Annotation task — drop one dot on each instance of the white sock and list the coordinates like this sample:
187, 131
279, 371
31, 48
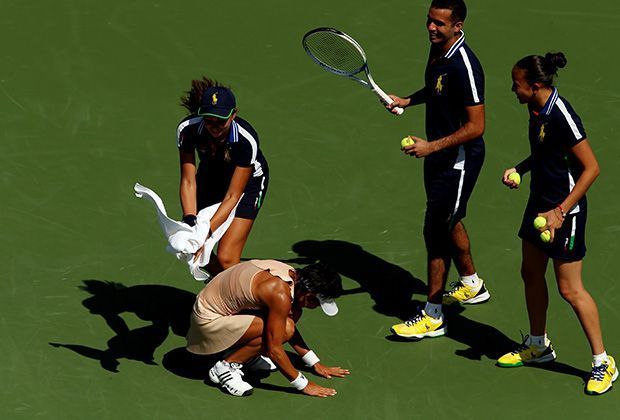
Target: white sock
473, 280
539, 340
599, 359
433, 309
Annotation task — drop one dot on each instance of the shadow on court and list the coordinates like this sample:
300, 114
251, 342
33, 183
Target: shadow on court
163, 307
389, 286
484, 340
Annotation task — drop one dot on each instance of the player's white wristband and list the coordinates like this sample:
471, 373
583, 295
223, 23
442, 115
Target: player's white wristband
310, 359
300, 382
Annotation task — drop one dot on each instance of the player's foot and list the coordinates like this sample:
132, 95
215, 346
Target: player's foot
466, 294
420, 326
602, 377
527, 353
228, 376
260, 364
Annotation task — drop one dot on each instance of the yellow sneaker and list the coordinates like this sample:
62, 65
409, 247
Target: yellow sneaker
420, 326
602, 378
464, 293
526, 353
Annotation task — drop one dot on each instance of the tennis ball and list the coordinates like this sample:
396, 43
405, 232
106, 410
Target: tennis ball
545, 236
406, 141
515, 177
540, 222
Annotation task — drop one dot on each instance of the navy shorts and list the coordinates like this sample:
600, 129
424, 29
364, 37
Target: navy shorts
251, 202
569, 243
448, 190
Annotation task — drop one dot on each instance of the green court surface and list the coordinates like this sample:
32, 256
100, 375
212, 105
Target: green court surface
89, 96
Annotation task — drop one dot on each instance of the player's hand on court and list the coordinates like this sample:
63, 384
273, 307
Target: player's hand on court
328, 372
421, 148
398, 102
315, 390
509, 182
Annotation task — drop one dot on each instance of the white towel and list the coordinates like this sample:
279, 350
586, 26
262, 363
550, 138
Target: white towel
183, 240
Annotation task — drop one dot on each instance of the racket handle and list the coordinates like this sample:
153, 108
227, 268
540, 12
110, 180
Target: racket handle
399, 110
385, 98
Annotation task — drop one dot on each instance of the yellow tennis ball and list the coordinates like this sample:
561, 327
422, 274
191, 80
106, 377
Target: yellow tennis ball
515, 177
540, 222
545, 236
407, 141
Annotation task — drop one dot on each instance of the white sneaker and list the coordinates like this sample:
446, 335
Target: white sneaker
228, 376
260, 364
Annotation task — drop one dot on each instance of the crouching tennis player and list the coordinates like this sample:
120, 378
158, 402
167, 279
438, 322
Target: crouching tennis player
250, 310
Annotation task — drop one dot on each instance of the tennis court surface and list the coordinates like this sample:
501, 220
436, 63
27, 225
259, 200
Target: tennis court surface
93, 308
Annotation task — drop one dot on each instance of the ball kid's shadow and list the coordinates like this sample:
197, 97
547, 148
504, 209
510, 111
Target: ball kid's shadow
163, 308
390, 286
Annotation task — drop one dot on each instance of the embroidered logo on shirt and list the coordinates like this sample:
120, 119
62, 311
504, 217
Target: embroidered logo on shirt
214, 99
542, 133
439, 84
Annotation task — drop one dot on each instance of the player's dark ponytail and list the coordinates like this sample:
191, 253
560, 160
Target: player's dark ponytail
539, 69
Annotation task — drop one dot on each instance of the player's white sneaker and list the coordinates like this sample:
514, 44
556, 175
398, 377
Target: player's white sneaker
228, 376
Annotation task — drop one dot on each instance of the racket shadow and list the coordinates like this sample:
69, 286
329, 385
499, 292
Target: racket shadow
389, 285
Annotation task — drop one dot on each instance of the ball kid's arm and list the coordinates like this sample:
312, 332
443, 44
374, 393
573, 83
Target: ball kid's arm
237, 185
187, 188
585, 156
524, 166
472, 129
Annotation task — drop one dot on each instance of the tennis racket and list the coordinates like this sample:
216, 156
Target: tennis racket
338, 53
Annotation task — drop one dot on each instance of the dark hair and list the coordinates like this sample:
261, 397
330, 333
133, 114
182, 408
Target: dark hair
321, 279
539, 69
193, 97
458, 8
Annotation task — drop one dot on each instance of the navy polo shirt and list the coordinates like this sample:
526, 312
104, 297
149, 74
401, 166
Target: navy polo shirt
453, 82
242, 146
552, 133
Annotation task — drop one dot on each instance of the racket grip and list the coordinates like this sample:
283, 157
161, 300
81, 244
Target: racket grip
385, 98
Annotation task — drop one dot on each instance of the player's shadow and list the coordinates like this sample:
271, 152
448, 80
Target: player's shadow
389, 286
484, 340
163, 307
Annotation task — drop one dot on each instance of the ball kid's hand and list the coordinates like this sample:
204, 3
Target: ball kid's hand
510, 180
398, 102
554, 221
421, 148
328, 372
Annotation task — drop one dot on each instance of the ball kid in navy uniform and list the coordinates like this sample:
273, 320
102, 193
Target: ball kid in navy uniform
232, 167
454, 153
562, 167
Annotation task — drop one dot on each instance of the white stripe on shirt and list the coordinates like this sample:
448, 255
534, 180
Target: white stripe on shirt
569, 119
184, 124
470, 73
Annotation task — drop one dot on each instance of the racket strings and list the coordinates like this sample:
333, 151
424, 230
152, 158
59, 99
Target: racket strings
335, 52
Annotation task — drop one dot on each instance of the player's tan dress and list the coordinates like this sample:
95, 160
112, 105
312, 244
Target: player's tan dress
216, 323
